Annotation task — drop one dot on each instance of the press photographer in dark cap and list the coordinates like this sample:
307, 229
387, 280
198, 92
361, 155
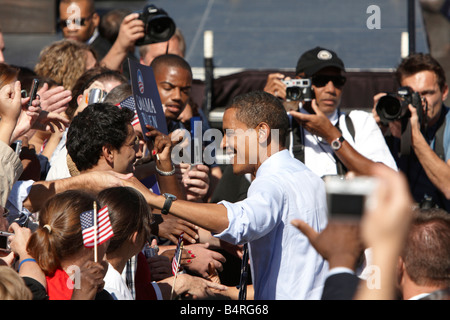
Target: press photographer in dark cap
328, 141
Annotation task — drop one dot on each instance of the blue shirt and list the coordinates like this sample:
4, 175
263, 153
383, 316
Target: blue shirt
284, 265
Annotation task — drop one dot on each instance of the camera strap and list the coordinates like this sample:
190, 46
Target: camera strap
298, 145
244, 274
341, 169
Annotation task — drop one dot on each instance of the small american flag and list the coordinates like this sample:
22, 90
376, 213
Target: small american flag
177, 257
104, 229
129, 103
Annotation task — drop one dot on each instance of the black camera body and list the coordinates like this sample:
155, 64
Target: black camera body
394, 106
299, 90
159, 27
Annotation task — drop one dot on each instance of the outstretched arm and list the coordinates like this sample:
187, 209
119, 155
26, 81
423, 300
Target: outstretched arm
210, 216
93, 181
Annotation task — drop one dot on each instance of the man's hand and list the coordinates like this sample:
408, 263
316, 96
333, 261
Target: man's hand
375, 115
10, 108
10, 102
393, 126
97, 181
275, 85
160, 144
195, 180
317, 124
47, 121
55, 99
91, 278
172, 227
386, 222
340, 243
131, 29
160, 267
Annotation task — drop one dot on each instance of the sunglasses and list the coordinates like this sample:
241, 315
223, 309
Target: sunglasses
322, 80
75, 22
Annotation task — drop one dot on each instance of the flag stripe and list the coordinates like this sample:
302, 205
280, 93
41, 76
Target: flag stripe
177, 256
104, 229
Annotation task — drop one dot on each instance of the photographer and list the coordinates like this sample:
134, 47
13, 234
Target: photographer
427, 165
324, 138
110, 55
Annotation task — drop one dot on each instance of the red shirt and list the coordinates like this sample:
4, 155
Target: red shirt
58, 286
143, 280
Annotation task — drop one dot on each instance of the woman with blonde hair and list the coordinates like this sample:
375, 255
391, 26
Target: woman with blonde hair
12, 286
64, 61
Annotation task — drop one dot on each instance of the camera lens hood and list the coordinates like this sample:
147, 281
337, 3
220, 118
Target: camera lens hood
159, 27
389, 108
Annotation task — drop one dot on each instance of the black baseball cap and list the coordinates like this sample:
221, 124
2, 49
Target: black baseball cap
316, 59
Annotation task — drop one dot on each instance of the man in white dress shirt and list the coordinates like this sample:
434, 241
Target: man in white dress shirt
328, 142
283, 263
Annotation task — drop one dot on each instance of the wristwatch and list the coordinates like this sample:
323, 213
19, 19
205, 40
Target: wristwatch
336, 144
168, 203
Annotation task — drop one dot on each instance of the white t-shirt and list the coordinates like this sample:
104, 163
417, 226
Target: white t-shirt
115, 285
368, 141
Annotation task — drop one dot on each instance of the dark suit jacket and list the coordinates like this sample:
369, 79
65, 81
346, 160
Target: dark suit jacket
101, 46
340, 286
231, 187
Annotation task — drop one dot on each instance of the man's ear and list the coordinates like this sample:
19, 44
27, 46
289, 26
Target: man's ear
96, 19
445, 92
107, 153
401, 270
263, 132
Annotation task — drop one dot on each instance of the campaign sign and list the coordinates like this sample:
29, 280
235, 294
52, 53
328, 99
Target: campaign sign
146, 96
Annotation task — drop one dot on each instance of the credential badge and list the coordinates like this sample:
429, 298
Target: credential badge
324, 55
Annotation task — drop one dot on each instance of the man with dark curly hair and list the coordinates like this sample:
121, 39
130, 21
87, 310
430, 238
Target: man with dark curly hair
101, 137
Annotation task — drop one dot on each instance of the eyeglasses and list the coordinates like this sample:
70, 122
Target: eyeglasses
74, 22
322, 80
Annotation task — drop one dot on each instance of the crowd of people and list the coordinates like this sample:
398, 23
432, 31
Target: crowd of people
259, 227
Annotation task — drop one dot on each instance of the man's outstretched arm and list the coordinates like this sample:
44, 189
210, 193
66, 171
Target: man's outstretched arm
210, 216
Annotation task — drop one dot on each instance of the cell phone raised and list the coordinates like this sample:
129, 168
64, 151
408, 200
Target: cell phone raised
4, 242
96, 95
348, 198
33, 91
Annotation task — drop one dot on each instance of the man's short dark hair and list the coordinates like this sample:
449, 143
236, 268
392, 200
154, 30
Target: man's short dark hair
419, 62
259, 106
172, 60
98, 125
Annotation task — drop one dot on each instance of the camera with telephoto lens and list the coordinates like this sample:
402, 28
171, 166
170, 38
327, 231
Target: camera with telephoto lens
394, 106
298, 90
159, 27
